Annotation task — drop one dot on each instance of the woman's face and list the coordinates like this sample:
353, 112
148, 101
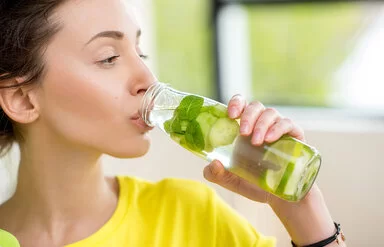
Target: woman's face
95, 79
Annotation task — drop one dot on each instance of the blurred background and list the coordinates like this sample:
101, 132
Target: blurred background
322, 53
320, 63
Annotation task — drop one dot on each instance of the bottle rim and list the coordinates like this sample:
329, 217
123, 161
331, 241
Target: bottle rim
148, 101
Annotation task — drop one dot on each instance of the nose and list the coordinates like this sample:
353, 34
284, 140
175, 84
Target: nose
143, 78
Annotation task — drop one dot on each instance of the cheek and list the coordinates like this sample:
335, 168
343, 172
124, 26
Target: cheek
77, 97
87, 111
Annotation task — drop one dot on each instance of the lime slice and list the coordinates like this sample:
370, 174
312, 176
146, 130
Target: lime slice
282, 153
272, 178
291, 177
284, 180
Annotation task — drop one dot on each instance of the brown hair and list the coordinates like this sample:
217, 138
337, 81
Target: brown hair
25, 30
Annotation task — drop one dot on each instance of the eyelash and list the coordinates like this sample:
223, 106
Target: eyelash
111, 60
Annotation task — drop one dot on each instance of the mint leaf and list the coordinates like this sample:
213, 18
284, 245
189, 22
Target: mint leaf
184, 125
168, 126
175, 125
189, 107
194, 136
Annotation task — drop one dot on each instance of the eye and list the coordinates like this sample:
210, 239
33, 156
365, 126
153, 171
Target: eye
142, 56
109, 61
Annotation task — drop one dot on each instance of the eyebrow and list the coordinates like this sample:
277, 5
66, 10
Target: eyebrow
112, 34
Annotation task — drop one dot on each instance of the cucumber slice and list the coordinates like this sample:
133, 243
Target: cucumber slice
219, 111
223, 132
205, 109
206, 121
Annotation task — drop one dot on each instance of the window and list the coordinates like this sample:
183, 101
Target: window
183, 45
327, 54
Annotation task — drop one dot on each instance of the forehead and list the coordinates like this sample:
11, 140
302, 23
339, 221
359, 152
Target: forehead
81, 19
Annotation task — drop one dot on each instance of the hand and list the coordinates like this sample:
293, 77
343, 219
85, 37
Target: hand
307, 221
265, 125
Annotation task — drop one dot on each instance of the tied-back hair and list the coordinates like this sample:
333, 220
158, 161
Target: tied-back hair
26, 27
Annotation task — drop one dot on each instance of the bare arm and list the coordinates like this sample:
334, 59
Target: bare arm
307, 221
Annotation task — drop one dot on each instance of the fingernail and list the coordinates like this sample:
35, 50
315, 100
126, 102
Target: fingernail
256, 138
244, 128
232, 112
269, 136
215, 167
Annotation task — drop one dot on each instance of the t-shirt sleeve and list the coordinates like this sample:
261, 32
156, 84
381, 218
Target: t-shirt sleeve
234, 230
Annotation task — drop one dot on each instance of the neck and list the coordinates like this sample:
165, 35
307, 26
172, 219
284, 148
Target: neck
60, 186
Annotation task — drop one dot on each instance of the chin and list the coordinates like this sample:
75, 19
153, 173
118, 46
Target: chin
136, 150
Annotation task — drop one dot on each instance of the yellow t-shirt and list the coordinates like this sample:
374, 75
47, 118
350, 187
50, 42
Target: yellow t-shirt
173, 212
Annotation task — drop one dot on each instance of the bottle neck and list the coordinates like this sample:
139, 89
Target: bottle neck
148, 101
160, 100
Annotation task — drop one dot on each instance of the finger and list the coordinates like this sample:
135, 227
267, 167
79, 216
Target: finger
250, 116
282, 127
216, 173
236, 106
267, 119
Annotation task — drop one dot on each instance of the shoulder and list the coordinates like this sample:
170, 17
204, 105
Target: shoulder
171, 193
168, 188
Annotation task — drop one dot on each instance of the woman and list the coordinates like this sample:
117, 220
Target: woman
72, 80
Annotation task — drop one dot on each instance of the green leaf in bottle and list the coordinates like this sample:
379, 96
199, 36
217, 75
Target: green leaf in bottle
194, 136
168, 126
175, 125
189, 107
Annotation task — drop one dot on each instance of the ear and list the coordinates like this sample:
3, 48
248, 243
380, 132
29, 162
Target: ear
19, 103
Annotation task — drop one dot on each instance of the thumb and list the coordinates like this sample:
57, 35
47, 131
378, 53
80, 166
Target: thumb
216, 173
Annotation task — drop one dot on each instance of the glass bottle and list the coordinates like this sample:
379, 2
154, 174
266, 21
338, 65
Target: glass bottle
286, 168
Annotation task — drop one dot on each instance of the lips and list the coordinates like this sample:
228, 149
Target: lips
135, 117
140, 123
